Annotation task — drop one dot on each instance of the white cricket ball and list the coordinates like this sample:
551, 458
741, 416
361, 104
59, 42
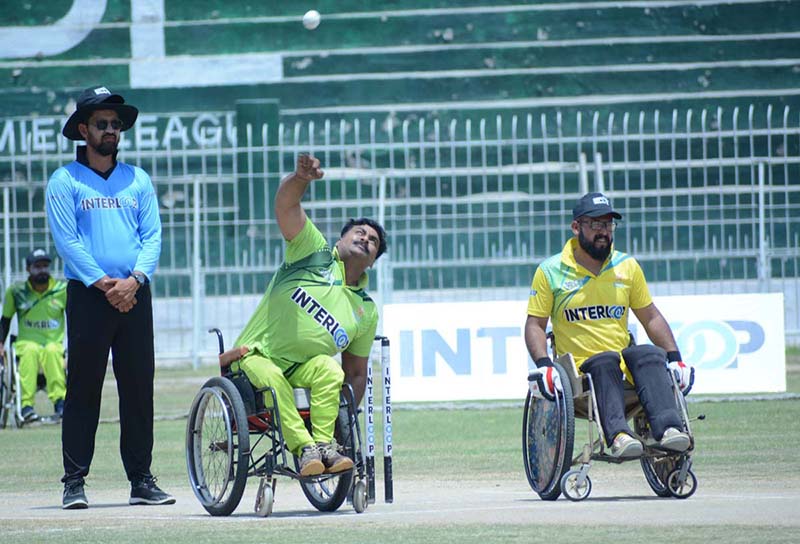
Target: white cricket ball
311, 19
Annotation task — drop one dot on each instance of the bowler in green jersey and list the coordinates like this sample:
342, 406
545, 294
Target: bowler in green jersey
315, 307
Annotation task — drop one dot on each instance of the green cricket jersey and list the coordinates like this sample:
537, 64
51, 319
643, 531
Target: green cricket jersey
40, 316
308, 310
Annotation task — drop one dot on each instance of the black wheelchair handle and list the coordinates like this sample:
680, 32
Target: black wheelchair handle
220, 341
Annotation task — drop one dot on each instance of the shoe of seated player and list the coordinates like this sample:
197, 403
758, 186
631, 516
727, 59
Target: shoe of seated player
626, 447
333, 460
59, 408
674, 440
311, 461
29, 415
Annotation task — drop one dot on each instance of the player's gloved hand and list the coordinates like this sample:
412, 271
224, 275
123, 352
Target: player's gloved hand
544, 381
684, 375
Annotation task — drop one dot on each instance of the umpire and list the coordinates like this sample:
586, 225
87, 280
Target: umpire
104, 217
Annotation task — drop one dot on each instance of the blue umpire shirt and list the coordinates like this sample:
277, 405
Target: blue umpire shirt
103, 226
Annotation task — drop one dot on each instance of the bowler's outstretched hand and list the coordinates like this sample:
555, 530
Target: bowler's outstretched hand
308, 168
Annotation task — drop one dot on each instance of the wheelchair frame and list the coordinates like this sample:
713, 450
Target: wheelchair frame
7, 395
667, 473
10, 389
241, 416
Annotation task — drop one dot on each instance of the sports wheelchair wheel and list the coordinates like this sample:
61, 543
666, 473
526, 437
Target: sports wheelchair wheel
573, 490
265, 498
360, 499
10, 396
548, 432
5, 397
218, 446
656, 469
328, 491
681, 489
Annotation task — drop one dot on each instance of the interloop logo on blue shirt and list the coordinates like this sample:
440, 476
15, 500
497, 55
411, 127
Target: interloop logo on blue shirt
109, 202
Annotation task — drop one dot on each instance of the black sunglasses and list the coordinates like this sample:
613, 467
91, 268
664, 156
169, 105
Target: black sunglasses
102, 124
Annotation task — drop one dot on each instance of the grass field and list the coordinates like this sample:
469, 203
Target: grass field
742, 446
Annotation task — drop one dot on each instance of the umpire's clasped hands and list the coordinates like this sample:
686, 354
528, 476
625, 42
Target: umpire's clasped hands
120, 293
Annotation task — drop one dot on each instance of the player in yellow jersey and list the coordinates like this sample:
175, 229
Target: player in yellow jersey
587, 291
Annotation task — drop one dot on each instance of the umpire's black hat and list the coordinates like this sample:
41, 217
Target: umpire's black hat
98, 98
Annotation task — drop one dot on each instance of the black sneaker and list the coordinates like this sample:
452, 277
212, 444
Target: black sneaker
59, 408
29, 415
74, 497
145, 491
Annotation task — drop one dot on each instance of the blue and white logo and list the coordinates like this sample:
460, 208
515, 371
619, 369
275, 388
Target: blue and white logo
340, 338
718, 344
714, 345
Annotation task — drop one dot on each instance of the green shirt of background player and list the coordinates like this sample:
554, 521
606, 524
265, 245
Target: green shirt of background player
314, 307
39, 303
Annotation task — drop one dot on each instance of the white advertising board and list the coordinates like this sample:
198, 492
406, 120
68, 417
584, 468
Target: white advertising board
476, 350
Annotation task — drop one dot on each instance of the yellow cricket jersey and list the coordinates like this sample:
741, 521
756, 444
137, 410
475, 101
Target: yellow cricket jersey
589, 313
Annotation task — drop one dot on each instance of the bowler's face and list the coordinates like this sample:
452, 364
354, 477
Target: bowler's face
359, 245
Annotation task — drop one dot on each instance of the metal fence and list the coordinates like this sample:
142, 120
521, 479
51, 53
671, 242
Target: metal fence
711, 202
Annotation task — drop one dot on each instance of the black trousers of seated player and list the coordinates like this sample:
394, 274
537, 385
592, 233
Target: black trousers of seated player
93, 328
648, 368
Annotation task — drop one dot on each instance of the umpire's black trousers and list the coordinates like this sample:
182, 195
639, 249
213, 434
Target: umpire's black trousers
94, 327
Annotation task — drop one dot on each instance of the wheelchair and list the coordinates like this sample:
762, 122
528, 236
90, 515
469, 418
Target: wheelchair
8, 390
231, 435
11, 392
548, 434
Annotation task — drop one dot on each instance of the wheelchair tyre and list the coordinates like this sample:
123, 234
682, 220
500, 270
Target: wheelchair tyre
265, 498
656, 469
4, 394
360, 496
218, 446
681, 490
327, 492
548, 432
572, 490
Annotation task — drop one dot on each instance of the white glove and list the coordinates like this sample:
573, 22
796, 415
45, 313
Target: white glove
544, 382
684, 375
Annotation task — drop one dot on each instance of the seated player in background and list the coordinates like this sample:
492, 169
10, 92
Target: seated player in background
39, 303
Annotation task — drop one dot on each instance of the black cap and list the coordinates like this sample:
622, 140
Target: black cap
36, 256
98, 98
594, 205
